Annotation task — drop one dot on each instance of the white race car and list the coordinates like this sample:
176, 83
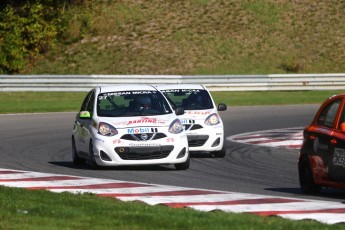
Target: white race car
129, 125
204, 127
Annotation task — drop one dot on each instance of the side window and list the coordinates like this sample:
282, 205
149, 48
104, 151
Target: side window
342, 117
327, 116
91, 102
88, 102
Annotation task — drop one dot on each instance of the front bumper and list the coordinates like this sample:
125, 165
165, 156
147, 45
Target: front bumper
206, 139
110, 151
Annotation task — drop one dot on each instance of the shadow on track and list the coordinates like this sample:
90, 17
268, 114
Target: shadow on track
325, 193
69, 164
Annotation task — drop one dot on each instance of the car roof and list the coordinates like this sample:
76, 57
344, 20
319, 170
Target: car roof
336, 95
180, 86
124, 87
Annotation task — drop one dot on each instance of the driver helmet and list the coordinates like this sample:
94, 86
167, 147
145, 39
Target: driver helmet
144, 101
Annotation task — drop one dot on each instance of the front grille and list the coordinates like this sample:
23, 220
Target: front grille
197, 126
197, 140
139, 137
144, 152
186, 127
192, 126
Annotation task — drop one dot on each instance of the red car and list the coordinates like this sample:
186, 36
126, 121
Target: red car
322, 156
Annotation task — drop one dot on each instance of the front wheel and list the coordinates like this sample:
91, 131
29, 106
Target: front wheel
92, 161
184, 165
76, 159
221, 153
306, 179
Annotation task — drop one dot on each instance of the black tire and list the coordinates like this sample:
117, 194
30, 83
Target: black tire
184, 165
92, 162
221, 153
306, 179
75, 158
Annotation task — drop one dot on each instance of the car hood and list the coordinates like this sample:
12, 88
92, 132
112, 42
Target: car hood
140, 121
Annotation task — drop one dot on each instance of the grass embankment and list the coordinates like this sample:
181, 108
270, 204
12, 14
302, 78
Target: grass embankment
199, 37
25, 209
30, 102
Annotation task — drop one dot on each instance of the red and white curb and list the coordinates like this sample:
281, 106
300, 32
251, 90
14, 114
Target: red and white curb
290, 138
179, 197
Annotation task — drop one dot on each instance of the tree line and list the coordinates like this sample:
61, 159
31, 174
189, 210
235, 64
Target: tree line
29, 29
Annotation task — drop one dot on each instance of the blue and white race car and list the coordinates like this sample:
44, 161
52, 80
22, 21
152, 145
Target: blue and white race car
203, 124
129, 125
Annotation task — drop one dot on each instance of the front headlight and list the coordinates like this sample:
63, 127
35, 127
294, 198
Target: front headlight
213, 119
176, 127
106, 130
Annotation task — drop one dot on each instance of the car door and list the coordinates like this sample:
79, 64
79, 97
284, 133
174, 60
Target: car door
83, 124
323, 144
336, 150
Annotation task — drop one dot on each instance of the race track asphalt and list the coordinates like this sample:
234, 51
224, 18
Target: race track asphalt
42, 143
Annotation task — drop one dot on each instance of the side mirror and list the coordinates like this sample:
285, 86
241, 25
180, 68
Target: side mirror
179, 111
222, 107
84, 115
342, 127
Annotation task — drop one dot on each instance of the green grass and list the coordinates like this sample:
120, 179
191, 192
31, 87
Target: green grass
31, 102
25, 209
194, 37
272, 97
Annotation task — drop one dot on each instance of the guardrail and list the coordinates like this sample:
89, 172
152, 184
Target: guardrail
82, 83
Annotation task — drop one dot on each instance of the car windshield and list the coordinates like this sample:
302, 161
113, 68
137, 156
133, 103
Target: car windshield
132, 103
189, 99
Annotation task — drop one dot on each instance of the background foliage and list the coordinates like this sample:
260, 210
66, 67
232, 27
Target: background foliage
29, 29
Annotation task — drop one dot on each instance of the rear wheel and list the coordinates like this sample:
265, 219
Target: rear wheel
184, 165
92, 161
76, 159
306, 179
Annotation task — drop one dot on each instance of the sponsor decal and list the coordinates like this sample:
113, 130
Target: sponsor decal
116, 141
143, 92
105, 95
198, 112
339, 157
187, 121
143, 120
121, 123
146, 120
141, 130
181, 90
170, 91
190, 90
144, 144
171, 139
